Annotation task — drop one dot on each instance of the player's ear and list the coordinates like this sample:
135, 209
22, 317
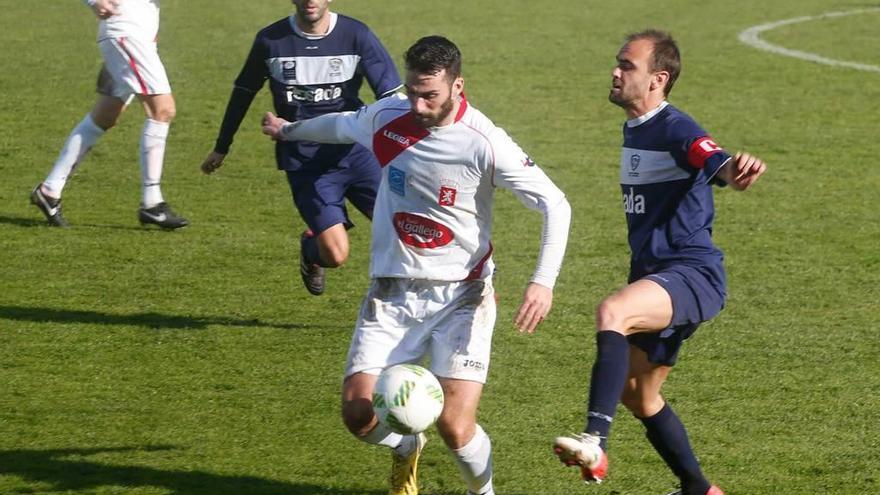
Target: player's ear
457, 86
659, 80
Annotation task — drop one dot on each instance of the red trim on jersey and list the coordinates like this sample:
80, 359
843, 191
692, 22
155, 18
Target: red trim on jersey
700, 151
396, 136
478, 270
133, 64
462, 107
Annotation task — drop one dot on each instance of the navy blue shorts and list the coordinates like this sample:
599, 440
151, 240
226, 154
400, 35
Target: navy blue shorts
694, 300
320, 196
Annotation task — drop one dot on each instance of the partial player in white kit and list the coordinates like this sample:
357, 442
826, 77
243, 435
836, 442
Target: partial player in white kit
127, 34
431, 256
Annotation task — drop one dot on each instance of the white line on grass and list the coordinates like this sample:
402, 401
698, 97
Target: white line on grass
751, 37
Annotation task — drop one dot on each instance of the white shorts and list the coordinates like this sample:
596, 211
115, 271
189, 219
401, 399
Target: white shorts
406, 321
133, 67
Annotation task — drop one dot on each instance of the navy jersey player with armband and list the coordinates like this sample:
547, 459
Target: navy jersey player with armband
668, 167
315, 62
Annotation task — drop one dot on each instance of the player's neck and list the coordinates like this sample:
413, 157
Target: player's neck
639, 108
318, 28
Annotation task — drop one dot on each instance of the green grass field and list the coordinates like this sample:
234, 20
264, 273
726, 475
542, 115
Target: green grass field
143, 362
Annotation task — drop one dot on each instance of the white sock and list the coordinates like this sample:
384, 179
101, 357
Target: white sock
79, 142
403, 445
153, 140
475, 463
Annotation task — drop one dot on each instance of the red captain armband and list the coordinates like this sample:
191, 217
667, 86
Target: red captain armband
700, 151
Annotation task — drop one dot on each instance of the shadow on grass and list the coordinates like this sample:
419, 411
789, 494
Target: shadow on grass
23, 222
149, 320
65, 470
40, 222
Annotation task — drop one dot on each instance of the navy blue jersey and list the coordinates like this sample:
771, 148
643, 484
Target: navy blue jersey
667, 168
311, 76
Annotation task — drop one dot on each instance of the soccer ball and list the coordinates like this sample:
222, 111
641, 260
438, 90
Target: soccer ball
407, 398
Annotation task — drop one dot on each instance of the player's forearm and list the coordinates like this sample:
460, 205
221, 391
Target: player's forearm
554, 238
239, 102
321, 129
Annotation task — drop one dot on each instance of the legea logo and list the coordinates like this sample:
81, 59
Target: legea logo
396, 137
421, 232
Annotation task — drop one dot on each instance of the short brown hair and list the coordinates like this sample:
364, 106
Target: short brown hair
666, 56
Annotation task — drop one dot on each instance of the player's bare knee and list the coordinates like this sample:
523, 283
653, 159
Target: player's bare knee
336, 259
165, 113
609, 316
104, 118
454, 431
358, 416
634, 403
642, 406
105, 123
333, 256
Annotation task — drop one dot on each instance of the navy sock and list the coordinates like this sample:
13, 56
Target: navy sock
309, 247
669, 438
606, 384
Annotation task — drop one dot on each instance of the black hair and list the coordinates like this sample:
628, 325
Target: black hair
432, 54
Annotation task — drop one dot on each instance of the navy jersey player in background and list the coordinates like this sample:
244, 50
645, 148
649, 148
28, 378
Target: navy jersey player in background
676, 280
316, 62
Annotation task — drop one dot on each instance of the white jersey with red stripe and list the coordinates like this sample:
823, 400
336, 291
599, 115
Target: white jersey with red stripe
433, 213
136, 19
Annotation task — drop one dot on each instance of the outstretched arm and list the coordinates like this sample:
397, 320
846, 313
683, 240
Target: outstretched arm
741, 171
321, 129
330, 128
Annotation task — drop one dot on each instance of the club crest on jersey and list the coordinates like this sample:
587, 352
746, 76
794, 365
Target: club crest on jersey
528, 162
633, 203
335, 67
447, 196
397, 180
288, 70
421, 232
634, 161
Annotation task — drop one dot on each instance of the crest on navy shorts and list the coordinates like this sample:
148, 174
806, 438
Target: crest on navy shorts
288, 70
397, 180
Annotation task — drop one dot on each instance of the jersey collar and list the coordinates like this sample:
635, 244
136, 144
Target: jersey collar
641, 119
299, 32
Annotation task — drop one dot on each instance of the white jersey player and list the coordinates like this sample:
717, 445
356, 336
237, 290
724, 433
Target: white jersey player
127, 39
431, 263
